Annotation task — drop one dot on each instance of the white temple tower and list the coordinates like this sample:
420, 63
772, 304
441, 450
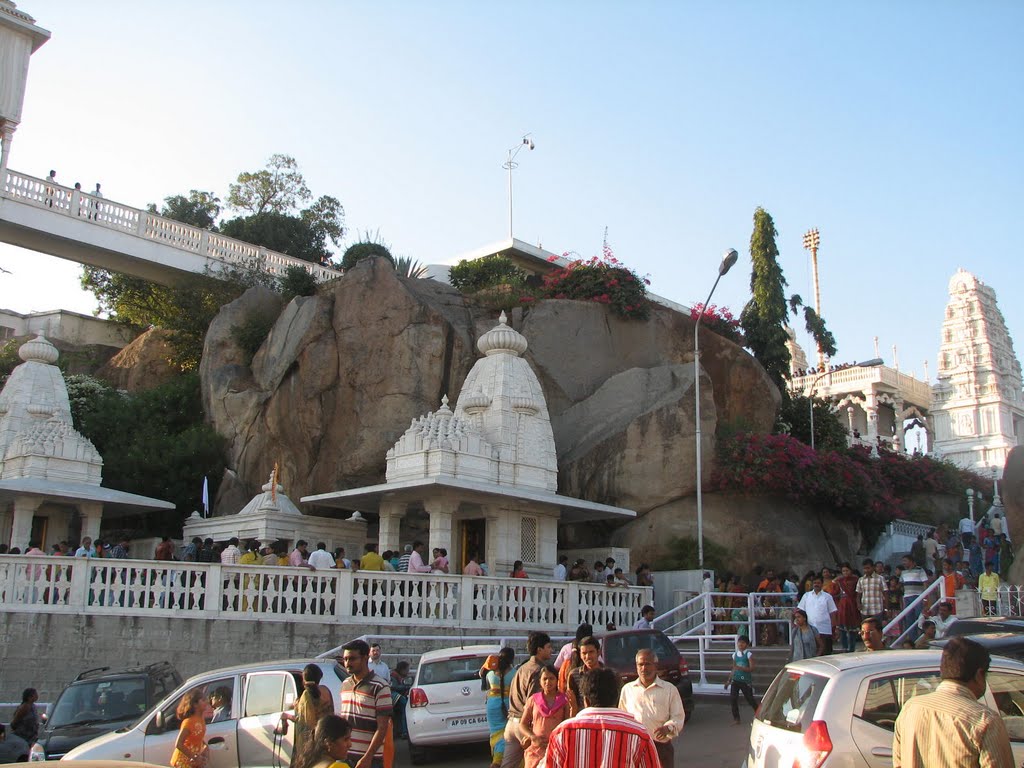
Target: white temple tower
978, 407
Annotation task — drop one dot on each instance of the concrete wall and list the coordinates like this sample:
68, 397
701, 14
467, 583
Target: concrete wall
69, 327
47, 651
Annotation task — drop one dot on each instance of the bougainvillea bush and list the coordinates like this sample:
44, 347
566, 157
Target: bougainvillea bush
719, 320
870, 488
603, 279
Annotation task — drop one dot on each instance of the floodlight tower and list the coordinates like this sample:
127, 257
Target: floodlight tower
811, 242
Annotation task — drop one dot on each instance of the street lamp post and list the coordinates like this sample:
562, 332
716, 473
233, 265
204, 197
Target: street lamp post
810, 395
728, 260
510, 165
970, 504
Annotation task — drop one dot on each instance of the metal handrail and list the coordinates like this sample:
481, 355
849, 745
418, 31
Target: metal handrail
938, 585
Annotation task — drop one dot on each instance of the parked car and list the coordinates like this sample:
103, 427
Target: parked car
258, 694
841, 710
99, 701
620, 648
979, 624
1010, 644
448, 700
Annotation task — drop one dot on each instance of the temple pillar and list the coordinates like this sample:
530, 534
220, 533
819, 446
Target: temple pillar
440, 512
21, 529
898, 436
871, 408
6, 137
92, 515
391, 514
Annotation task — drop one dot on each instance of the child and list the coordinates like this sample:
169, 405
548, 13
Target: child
741, 678
329, 746
543, 711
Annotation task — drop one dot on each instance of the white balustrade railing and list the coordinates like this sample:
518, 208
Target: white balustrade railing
102, 212
274, 593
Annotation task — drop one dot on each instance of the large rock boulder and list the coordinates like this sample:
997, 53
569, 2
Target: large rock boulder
342, 374
143, 364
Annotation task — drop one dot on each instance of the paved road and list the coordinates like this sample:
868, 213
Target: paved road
709, 741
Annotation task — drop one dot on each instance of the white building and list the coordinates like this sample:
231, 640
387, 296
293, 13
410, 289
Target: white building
484, 475
50, 474
978, 405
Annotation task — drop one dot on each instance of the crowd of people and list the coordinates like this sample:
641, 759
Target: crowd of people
829, 608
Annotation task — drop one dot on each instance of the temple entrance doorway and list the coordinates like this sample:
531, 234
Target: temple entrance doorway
473, 540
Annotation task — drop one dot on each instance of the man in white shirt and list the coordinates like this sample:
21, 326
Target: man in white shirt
378, 667
941, 616
966, 527
322, 560
561, 570
655, 703
821, 613
914, 581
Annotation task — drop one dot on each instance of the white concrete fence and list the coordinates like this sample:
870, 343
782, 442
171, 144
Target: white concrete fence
122, 218
273, 593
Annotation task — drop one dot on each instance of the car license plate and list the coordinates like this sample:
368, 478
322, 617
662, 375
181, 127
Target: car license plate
462, 722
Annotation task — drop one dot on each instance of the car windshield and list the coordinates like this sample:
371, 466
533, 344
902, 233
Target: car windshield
791, 700
620, 650
99, 701
459, 669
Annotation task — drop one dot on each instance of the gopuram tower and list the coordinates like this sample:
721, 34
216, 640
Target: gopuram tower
977, 407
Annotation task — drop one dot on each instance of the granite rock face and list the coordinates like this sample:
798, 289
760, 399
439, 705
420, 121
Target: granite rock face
343, 373
142, 364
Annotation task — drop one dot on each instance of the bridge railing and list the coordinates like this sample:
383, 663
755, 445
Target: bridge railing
99, 211
67, 585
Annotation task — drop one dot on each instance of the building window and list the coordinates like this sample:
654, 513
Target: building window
528, 540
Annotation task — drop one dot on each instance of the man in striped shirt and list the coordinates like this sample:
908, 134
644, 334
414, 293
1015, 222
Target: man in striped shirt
950, 728
366, 704
601, 735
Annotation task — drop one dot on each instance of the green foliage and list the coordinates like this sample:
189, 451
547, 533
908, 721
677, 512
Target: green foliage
200, 209
251, 334
364, 250
9, 359
406, 266
154, 443
604, 280
764, 316
278, 188
683, 554
281, 232
794, 419
296, 281
470, 276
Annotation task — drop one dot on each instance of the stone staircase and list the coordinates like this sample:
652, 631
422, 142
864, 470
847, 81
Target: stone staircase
768, 660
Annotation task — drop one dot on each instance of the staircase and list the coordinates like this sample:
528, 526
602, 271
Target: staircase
768, 660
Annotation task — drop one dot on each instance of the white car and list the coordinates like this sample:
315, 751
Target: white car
245, 737
448, 700
840, 711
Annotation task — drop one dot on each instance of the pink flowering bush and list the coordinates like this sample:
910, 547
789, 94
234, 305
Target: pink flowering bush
603, 279
870, 488
719, 320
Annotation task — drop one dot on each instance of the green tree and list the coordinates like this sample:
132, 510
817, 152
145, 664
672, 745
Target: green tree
765, 315
278, 188
296, 281
364, 250
154, 443
200, 209
795, 420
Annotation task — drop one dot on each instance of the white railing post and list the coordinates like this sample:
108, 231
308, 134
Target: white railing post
752, 618
572, 607
214, 590
343, 603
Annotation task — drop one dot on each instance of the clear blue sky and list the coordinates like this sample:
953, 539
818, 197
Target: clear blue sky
895, 128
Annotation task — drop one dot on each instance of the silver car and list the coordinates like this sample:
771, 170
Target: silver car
241, 735
839, 711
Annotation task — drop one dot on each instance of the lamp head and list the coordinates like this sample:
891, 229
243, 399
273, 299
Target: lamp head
729, 258
970, 493
529, 143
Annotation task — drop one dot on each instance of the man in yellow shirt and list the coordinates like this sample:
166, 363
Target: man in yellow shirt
988, 585
371, 561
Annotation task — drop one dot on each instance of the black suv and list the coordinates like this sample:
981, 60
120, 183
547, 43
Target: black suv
100, 701
620, 649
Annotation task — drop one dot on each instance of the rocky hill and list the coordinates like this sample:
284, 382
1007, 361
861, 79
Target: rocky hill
342, 374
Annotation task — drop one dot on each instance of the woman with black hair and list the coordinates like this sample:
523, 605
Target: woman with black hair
313, 704
499, 681
329, 745
25, 721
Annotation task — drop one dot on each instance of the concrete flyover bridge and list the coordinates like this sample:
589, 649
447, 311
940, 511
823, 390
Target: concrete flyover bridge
60, 221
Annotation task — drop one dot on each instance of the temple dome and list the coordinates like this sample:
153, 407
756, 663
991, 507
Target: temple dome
502, 339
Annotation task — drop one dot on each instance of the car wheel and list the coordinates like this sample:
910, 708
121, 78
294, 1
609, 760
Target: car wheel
418, 755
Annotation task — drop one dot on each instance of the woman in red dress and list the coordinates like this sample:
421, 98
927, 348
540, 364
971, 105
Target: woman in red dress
848, 614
